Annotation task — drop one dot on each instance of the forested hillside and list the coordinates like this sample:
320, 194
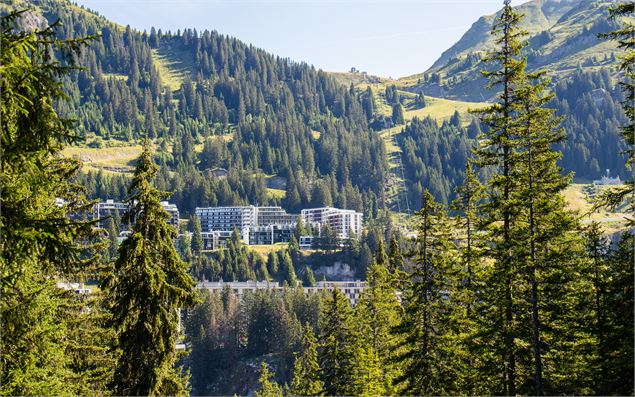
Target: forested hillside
506, 291
583, 71
291, 135
233, 106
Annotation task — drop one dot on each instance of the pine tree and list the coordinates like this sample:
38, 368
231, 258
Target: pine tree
424, 354
336, 355
377, 313
367, 378
469, 281
397, 114
40, 243
396, 264
498, 150
197, 238
268, 388
625, 36
548, 245
113, 237
287, 271
147, 288
619, 319
306, 371
598, 247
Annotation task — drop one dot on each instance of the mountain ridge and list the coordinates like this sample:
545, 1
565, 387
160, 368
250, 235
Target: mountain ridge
562, 38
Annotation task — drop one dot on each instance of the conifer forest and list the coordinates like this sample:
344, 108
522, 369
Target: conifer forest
183, 213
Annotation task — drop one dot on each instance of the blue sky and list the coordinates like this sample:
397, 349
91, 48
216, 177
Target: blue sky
386, 38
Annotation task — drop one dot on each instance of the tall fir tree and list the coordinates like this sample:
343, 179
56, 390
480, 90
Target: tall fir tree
623, 13
148, 286
197, 237
40, 244
306, 371
548, 245
469, 196
498, 150
424, 350
336, 354
377, 313
619, 319
268, 388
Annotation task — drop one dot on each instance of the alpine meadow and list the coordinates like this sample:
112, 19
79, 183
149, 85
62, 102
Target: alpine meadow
183, 213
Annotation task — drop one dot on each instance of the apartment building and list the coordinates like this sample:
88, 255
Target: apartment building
228, 219
108, 209
216, 239
274, 216
352, 289
271, 234
271, 225
111, 208
345, 223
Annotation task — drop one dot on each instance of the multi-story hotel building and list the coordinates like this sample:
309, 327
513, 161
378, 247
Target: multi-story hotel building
345, 223
228, 219
352, 289
270, 225
111, 208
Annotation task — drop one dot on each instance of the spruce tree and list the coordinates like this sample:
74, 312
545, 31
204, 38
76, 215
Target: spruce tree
39, 243
625, 37
367, 377
618, 327
598, 247
268, 388
148, 287
336, 355
377, 313
306, 371
197, 238
548, 245
397, 114
498, 150
424, 354
469, 281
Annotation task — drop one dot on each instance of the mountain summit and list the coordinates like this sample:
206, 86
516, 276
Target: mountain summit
562, 37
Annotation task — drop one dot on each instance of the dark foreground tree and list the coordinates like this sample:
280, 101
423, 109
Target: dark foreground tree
306, 371
148, 287
39, 242
500, 210
424, 353
625, 36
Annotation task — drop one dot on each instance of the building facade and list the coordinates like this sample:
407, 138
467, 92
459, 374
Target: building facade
215, 240
111, 208
228, 219
346, 223
271, 225
352, 289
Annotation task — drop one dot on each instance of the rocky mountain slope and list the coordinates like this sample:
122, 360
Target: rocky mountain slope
562, 39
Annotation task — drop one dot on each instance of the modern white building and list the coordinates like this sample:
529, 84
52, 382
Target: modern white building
108, 208
345, 223
78, 288
238, 287
352, 289
270, 225
228, 219
173, 210
112, 208
216, 239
